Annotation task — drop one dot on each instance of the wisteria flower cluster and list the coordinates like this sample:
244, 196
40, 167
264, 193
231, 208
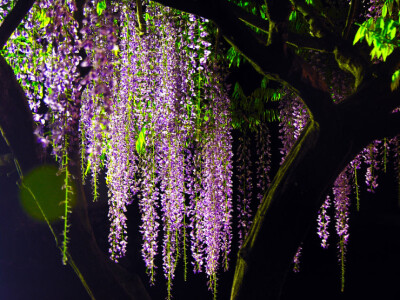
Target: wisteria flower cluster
245, 186
152, 110
161, 117
166, 138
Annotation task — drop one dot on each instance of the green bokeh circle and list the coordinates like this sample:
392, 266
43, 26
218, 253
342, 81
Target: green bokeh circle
47, 185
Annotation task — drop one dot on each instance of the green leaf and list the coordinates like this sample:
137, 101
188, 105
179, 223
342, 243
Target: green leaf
396, 75
390, 6
88, 167
385, 53
293, 16
370, 24
395, 80
390, 49
375, 52
43, 18
359, 35
101, 6
262, 11
141, 141
369, 39
384, 10
392, 33
381, 23
264, 82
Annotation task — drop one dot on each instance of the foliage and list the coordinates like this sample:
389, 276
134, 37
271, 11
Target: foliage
251, 111
381, 32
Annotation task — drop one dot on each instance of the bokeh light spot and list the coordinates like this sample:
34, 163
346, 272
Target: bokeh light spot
47, 185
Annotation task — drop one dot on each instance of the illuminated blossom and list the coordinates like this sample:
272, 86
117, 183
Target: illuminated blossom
323, 223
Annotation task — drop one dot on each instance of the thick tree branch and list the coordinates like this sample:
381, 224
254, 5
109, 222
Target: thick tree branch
13, 19
274, 60
290, 205
373, 99
347, 56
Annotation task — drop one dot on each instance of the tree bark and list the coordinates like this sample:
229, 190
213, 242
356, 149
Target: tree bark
288, 210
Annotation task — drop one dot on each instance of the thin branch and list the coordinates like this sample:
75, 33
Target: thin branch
13, 19
354, 4
250, 19
312, 43
319, 26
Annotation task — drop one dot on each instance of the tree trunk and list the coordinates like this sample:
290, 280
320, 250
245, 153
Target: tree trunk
289, 208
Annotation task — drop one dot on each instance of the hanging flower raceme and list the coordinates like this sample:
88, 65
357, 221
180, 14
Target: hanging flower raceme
294, 117
370, 155
217, 187
169, 148
263, 162
43, 52
323, 222
245, 186
167, 138
99, 42
355, 165
341, 192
